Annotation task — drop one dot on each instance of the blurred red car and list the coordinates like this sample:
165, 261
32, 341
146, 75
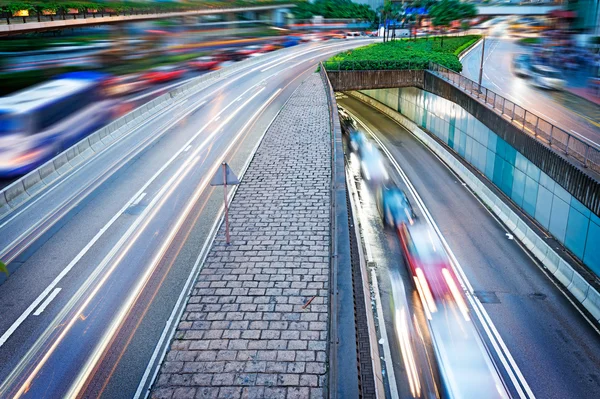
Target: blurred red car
204, 63
430, 266
249, 50
268, 48
164, 74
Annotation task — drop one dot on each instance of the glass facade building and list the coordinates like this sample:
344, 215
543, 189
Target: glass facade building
567, 219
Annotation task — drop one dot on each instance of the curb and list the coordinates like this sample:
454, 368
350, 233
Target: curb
581, 290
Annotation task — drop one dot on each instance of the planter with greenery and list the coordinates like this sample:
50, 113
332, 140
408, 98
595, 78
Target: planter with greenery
404, 54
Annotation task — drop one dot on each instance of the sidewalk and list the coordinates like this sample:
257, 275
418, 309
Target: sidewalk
256, 324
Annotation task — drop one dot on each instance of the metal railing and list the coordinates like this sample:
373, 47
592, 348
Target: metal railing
574, 146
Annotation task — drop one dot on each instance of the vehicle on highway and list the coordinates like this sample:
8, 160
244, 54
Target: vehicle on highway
353, 35
39, 122
290, 41
164, 73
247, 51
267, 48
205, 63
430, 266
394, 206
123, 85
228, 54
521, 65
547, 77
372, 167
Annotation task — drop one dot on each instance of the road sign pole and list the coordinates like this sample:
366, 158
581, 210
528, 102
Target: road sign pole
226, 177
227, 240
482, 60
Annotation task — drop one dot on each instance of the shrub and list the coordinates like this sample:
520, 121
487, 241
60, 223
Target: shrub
404, 54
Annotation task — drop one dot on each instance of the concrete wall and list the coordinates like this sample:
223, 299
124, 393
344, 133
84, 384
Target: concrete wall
534, 191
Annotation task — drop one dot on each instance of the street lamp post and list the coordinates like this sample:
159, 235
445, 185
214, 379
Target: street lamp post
481, 65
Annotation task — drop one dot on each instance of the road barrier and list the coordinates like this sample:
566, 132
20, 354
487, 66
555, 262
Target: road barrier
20, 191
566, 274
571, 145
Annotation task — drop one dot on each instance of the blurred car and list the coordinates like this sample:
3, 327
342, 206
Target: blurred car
521, 65
41, 121
123, 85
353, 35
266, 48
430, 266
358, 141
249, 50
394, 206
228, 54
547, 77
372, 167
205, 63
290, 41
337, 35
165, 73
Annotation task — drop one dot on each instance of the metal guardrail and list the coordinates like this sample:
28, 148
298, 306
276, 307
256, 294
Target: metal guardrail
574, 146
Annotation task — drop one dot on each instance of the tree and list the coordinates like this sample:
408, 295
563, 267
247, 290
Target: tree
445, 12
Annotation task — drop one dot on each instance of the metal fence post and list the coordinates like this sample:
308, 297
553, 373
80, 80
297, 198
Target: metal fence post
551, 132
568, 139
524, 120
537, 122
585, 157
512, 115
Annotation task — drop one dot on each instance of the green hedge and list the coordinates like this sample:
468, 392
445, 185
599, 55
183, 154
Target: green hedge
404, 54
530, 40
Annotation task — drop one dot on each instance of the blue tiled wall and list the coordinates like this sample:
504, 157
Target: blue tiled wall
536, 193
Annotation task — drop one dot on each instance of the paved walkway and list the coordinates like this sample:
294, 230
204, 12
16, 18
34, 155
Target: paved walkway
256, 324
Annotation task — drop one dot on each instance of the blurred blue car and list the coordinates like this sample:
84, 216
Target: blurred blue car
394, 206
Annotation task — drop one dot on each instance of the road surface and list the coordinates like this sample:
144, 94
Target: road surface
105, 253
553, 346
563, 109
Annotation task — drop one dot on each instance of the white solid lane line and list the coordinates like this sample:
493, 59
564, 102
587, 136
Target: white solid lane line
138, 199
44, 305
494, 337
106, 339
41, 297
166, 190
84, 251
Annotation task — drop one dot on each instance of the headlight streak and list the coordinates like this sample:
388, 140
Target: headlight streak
408, 356
456, 294
100, 348
179, 176
430, 303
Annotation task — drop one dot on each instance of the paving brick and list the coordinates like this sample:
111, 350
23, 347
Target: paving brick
245, 331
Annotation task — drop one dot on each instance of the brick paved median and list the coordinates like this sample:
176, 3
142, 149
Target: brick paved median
256, 323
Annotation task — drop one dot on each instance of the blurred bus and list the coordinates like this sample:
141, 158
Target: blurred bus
39, 122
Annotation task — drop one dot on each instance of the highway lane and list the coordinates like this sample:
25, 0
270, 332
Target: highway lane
128, 230
553, 346
574, 115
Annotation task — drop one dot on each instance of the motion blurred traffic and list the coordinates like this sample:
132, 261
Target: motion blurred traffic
58, 89
462, 367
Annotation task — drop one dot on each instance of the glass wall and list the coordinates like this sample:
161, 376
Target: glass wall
567, 219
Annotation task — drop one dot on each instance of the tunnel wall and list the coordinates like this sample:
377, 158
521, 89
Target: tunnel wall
566, 218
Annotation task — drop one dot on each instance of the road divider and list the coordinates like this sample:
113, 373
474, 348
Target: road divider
547, 256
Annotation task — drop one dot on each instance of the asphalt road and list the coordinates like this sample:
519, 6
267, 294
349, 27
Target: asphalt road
563, 109
554, 348
105, 253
